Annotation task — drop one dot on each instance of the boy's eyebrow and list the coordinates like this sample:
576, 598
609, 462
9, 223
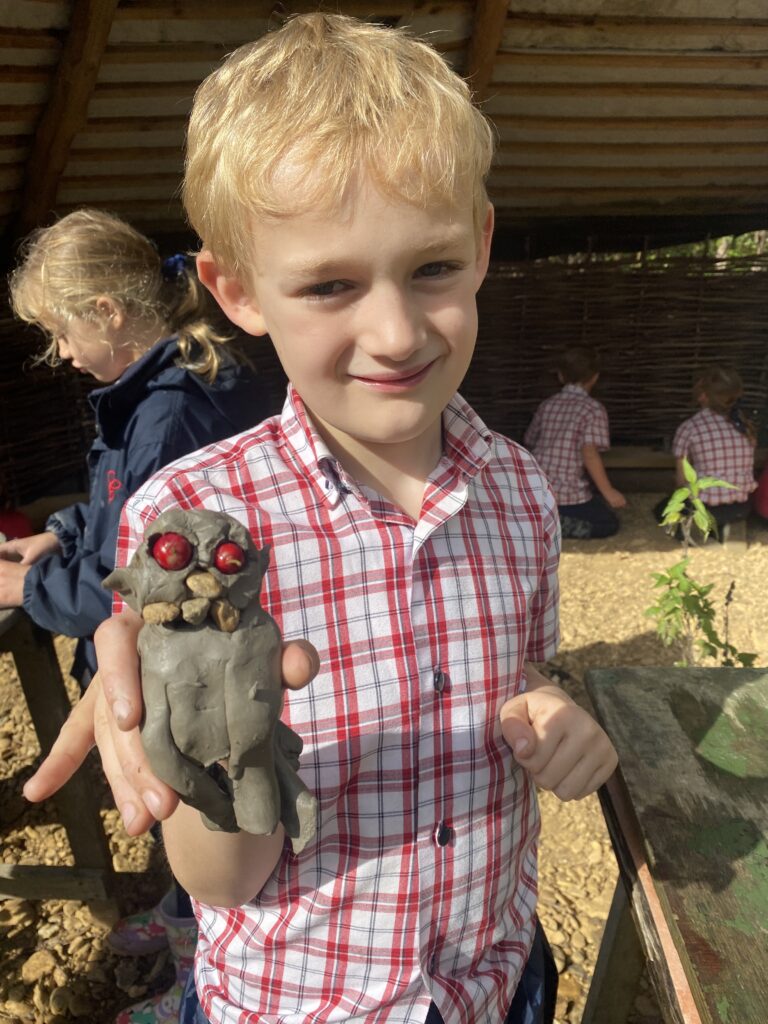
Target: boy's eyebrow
325, 268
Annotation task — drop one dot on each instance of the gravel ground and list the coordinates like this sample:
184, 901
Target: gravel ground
55, 967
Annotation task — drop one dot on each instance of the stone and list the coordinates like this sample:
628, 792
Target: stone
39, 965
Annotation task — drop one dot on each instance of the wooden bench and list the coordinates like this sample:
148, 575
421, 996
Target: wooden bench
91, 879
687, 813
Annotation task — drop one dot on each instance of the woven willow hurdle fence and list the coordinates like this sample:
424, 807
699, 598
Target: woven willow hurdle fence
653, 320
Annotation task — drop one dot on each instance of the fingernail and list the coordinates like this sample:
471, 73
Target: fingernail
521, 746
153, 802
128, 814
121, 709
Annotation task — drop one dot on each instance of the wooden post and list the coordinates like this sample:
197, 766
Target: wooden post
67, 108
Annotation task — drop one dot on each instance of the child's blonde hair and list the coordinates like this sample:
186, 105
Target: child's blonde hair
65, 268
722, 387
326, 97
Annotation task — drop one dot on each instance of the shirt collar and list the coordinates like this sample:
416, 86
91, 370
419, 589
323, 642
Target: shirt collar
575, 388
467, 445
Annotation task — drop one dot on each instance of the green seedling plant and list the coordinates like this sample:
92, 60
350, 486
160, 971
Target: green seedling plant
683, 611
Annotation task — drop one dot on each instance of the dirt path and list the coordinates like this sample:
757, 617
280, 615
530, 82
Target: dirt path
54, 965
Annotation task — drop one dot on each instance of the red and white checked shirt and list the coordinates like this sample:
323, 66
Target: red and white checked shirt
560, 428
421, 884
714, 447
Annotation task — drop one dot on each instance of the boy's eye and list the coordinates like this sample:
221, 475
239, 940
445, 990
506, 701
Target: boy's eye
325, 289
437, 269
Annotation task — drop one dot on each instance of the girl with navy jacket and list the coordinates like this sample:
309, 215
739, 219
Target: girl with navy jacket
137, 324
115, 311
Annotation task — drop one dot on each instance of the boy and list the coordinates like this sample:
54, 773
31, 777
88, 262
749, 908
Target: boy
336, 175
566, 435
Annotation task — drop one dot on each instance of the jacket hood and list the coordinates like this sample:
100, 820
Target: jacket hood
235, 396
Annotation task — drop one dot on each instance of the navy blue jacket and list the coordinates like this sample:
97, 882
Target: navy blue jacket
153, 414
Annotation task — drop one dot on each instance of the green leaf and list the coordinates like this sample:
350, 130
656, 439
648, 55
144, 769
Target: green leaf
689, 473
711, 481
701, 518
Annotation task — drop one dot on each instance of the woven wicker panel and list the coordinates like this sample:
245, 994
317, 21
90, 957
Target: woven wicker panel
45, 422
654, 322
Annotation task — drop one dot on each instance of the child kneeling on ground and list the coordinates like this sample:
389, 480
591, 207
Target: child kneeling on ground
336, 175
566, 435
719, 442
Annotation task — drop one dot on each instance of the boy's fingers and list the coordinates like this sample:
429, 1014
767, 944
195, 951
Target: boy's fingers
301, 663
117, 654
140, 797
516, 727
68, 752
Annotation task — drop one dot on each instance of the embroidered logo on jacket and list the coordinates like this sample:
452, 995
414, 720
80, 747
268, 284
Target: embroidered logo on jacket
113, 485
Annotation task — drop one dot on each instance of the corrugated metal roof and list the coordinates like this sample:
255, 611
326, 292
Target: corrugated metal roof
604, 108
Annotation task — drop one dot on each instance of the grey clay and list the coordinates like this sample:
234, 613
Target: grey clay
211, 680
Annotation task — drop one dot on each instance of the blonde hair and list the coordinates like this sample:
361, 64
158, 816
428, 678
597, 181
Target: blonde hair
64, 269
722, 387
326, 97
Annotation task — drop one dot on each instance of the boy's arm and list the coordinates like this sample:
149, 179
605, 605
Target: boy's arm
680, 480
593, 464
221, 869
559, 743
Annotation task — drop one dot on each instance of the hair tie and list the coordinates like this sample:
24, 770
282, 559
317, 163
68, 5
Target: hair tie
174, 267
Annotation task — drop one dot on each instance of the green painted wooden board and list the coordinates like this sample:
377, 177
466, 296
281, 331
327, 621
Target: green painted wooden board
693, 749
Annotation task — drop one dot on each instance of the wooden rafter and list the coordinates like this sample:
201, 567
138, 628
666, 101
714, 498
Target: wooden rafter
487, 33
65, 114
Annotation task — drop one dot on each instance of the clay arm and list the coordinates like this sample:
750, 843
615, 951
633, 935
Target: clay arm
190, 780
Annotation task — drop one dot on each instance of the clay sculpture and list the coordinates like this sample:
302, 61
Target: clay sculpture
210, 667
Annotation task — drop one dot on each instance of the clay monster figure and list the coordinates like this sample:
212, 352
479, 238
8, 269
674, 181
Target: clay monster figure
210, 667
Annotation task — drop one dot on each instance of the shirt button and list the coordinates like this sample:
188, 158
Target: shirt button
443, 834
439, 680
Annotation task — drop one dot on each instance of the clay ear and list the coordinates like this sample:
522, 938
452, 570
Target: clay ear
120, 582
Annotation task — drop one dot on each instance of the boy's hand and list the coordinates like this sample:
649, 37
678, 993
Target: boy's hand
108, 716
614, 498
559, 743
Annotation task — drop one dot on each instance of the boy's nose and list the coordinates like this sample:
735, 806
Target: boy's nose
391, 325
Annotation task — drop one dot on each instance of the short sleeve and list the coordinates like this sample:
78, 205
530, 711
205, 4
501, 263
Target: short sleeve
682, 440
544, 633
596, 430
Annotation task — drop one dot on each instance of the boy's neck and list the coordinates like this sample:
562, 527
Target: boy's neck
397, 472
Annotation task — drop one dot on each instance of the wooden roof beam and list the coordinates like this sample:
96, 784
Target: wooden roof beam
66, 112
487, 33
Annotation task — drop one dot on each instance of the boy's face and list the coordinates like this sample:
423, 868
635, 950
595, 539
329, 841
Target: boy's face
372, 313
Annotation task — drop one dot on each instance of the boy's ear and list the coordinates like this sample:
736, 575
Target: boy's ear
484, 247
235, 302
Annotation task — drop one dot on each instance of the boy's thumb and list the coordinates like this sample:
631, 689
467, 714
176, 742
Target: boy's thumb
516, 727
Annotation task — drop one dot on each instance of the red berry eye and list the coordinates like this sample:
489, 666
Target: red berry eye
172, 551
229, 558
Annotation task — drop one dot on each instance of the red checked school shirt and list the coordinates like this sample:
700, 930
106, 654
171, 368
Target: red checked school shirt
560, 428
716, 448
421, 883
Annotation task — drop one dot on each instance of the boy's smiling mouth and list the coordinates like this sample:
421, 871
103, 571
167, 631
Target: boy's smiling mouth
395, 381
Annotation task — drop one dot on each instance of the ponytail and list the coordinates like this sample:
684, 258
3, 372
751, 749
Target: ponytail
189, 310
